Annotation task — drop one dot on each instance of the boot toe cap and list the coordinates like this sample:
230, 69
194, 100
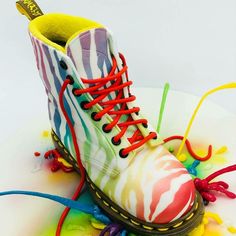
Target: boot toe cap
156, 188
168, 192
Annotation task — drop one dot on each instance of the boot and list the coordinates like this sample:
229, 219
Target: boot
98, 128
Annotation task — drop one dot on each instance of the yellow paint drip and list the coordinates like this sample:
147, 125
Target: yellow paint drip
201, 230
97, 225
45, 133
222, 150
182, 157
205, 220
219, 160
64, 162
222, 87
214, 216
212, 233
232, 229
200, 152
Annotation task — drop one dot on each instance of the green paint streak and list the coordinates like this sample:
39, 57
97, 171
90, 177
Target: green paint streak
77, 223
162, 108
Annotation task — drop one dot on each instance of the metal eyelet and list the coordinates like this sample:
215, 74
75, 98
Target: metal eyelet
104, 129
93, 116
121, 154
69, 77
137, 112
63, 65
74, 90
82, 105
114, 142
145, 125
155, 136
205, 202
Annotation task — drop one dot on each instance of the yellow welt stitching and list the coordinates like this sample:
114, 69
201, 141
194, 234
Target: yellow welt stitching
134, 222
122, 215
53, 135
60, 145
98, 195
177, 225
105, 203
147, 227
190, 216
163, 229
114, 209
92, 186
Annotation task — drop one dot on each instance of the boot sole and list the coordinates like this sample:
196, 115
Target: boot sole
180, 227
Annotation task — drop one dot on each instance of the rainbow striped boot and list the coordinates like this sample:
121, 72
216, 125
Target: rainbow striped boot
98, 128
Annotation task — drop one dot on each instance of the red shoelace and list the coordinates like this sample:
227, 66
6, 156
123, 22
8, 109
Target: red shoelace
207, 188
98, 91
190, 149
77, 152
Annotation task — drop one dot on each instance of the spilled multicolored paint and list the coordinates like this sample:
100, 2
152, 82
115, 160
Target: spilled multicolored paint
78, 223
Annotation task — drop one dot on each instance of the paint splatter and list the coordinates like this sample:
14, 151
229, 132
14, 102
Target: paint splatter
45, 134
37, 154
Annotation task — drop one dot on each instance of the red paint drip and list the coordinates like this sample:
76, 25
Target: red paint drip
190, 149
37, 154
205, 188
56, 164
77, 151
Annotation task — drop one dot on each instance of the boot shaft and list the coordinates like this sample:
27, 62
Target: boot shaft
86, 53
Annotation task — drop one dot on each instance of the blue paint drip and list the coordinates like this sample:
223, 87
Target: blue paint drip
192, 169
63, 74
57, 119
49, 112
52, 68
89, 209
88, 136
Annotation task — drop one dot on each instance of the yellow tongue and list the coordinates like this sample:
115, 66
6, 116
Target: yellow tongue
56, 30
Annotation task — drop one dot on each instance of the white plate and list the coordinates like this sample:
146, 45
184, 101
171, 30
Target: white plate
19, 169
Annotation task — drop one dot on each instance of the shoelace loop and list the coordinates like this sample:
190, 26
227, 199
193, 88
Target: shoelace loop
205, 188
99, 92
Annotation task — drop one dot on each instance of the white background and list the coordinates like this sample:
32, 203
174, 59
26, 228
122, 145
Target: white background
190, 44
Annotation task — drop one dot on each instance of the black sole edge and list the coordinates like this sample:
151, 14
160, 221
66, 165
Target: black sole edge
180, 227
